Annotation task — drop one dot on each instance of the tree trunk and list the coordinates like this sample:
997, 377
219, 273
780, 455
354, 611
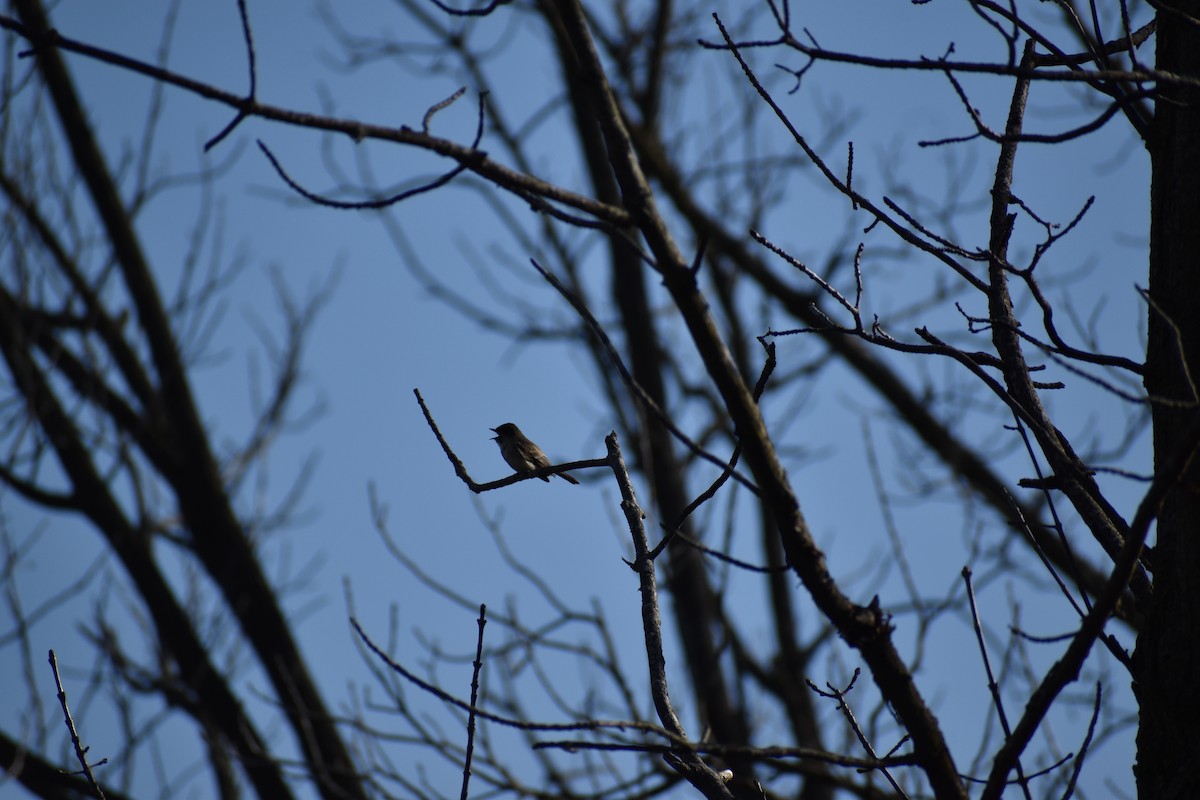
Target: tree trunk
1168, 651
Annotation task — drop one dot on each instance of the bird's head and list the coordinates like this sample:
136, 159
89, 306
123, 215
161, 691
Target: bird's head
507, 429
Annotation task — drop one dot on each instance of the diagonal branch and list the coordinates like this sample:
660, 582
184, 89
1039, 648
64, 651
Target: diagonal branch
865, 628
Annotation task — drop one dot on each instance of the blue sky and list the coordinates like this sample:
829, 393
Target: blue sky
381, 334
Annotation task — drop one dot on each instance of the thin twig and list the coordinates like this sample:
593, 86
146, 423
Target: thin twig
391, 200
840, 696
710, 492
477, 667
1083, 748
993, 686
251, 66
80, 750
862, 765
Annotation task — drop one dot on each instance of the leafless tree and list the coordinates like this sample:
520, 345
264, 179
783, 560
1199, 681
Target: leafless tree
707, 317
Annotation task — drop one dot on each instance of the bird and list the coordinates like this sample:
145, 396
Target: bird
522, 454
